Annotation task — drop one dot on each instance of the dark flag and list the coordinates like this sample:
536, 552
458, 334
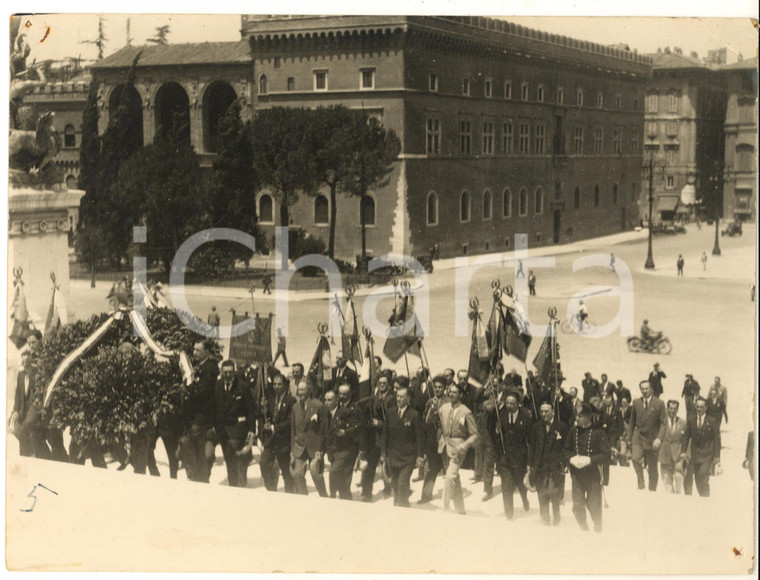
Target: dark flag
399, 340
495, 334
254, 346
321, 364
516, 339
350, 335
19, 314
543, 359
368, 374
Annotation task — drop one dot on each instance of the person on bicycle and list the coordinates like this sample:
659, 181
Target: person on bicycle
648, 336
582, 314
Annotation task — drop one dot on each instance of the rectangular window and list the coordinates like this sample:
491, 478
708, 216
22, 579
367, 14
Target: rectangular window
600, 101
651, 103
673, 99
616, 142
524, 142
578, 141
540, 93
488, 88
540, 139
579, 98
433, 82
507, 139
508, 90
488, 137
466, 86
524, 95
291, 84
618, 102
560, 96
598, 140
634, 141
465, 136
367, 78
433, 135
671, 182
277, 62
320, 80
671, 154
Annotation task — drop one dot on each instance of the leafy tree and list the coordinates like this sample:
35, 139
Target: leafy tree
162, 35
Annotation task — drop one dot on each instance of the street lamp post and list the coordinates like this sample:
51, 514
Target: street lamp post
716, 178
649, 265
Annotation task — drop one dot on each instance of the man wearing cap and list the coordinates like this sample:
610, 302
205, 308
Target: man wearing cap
655, 379
702, 449
645, 433
546, 462
509, 429
591, 388
690, 393
673, 445
586, 449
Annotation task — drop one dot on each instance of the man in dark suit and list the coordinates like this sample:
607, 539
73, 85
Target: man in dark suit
703, 449
690, 393
421, 390
586, 450
372, 415
403, 446
234, 422
341, 441
274, 432
655, 379
546, 462
509, 428
432, 424
308, 431
645, 433
341, 373
612, 424
591, 388
196, 446
513, 380
22, 406
622, 393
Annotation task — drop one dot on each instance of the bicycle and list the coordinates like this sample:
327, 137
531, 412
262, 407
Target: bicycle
571, 326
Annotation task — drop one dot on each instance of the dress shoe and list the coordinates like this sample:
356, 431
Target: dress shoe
418, 478
424, 500
487, 496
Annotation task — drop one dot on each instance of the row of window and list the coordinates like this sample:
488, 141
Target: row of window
523, 202
320, 81
321, 210
652, 102
532, 139
671, 128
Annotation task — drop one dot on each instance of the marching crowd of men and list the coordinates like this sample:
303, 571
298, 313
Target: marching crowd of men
531, 435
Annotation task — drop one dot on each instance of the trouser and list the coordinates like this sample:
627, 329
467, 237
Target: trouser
434, 465
315, 468
237, 465
489, 461
511, 479
281, 351
672, 481
400, 483
368, 477
587, 494
341, 471
648, 457
25, 444
269, 461
141, 452
550, 490
699, 472
622, 457
170, 437
196, 449
78, 453
606, 473
532, 289
452, 483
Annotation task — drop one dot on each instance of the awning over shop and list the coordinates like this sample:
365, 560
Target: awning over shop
682, 209
667, 203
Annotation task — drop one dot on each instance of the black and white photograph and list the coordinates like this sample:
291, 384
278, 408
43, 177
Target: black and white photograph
408, 293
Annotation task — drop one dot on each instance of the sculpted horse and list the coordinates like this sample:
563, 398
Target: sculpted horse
31, 151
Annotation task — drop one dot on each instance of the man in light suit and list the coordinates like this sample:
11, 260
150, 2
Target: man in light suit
308, 432
458, 434
646, 430
673, 444
22, 406
402, 445
234, 422
702, 449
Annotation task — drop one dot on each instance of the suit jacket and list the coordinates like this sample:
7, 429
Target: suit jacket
403, 439
346, 419
420, 397
308, 428
349, 376
199, 407
674, 441
280, 418
457, 428
691, 389
655, 379
647, 425
515, 436
22, 402
368, 410
546, 450
609, 387
715, 409
431, 421
591, 388
702, 445
234, 414
612, 424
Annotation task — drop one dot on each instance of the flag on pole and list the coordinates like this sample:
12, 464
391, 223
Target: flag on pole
403, 332
350, 335
56, 316
368, 375
19, 314
321, 364
543, 359
479, 365
516, 340
495, 334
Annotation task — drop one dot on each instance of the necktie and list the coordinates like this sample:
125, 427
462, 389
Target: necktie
400, 413
646, 404
672, 424
699, 424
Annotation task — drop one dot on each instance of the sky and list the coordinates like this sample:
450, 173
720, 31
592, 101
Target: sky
66, 32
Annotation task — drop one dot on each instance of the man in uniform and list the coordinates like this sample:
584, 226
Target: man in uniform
307, 441
403, 444
703, 449
432, 424
586, 449
645, 433
509, 429
274, 433
673, 445
234, 421
340, 442
196, 446
458, 435
546, 462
